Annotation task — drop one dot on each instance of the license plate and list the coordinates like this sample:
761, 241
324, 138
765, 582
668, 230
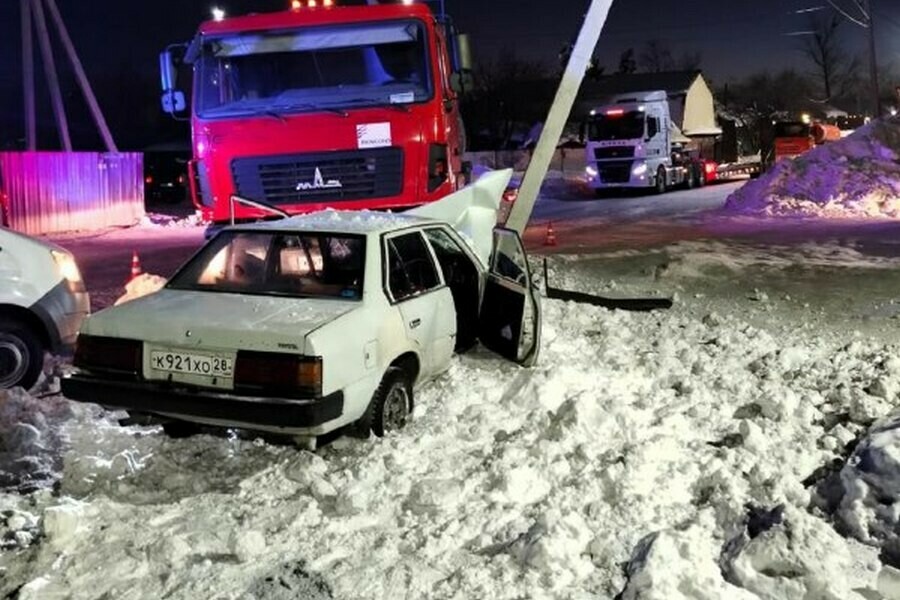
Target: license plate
192, 364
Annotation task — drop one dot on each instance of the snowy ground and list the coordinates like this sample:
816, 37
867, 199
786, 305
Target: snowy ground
670, 455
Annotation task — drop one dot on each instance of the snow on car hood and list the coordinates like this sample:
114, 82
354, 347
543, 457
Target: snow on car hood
218, 320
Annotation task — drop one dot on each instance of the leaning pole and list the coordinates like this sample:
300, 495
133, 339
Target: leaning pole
559, 114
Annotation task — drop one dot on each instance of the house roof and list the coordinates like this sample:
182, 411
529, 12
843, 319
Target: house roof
673, 82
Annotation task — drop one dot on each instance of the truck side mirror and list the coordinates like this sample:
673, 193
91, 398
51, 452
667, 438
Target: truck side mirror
461, 82
173, 100
463, 52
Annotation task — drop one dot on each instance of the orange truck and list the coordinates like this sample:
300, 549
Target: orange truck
793, 138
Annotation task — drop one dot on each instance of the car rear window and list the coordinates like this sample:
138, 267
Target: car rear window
299, 265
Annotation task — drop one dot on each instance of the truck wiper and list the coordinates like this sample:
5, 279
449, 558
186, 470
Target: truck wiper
279, 111
402, 107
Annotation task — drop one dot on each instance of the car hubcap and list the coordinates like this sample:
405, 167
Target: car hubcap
396, 408
13, 361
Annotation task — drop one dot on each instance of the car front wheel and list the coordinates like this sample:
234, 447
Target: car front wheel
21, 355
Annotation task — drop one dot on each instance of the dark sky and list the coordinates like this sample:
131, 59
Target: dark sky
121, 38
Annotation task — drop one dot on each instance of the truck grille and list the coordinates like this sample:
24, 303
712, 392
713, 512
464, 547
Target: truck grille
615, 172
614, 152
320, 177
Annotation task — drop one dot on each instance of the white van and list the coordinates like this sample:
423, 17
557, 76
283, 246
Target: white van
42, 304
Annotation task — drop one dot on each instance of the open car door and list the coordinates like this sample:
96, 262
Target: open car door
509, 322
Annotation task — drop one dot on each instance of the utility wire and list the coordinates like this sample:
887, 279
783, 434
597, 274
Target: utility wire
848, 16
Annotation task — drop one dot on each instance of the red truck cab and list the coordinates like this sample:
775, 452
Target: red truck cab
321, 106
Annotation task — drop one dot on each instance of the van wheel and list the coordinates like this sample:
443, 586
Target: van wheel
661, 181
390, 407
21, 355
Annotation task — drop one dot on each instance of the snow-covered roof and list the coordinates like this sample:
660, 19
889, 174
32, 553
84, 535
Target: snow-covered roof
342, 221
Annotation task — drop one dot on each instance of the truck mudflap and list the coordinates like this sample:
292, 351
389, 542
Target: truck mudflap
188, 403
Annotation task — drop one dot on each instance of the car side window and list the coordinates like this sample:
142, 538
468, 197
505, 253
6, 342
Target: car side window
509, 260
411, 270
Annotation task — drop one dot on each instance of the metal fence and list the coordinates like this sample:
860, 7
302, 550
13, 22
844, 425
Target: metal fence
52, 192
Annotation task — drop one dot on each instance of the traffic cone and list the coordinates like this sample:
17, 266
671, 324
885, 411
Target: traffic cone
135, 266
550, 240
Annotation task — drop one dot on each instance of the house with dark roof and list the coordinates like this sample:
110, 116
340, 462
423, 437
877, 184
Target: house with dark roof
691, 105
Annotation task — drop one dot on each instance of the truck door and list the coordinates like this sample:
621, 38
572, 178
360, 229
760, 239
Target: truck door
425, 303
510, 317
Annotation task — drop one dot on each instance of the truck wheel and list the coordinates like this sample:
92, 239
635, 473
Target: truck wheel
390, 406
21, 355
179, 430
691, 181
661, 180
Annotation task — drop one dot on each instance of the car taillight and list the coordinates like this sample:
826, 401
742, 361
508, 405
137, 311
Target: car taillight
437, 166
278, 373
114, 355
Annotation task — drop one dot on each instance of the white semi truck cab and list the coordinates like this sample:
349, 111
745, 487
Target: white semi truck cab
631, 144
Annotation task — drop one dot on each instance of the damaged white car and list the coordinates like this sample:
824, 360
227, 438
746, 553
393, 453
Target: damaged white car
318, 322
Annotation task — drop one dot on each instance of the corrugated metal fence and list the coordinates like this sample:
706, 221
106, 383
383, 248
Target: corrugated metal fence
51, 192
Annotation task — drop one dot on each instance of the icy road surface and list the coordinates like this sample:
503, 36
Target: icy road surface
661, 456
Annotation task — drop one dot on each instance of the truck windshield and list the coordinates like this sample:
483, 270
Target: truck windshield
624, 126
302, 265
314, 68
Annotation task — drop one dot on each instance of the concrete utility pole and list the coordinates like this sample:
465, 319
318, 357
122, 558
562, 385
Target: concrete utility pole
574, 74
866, 7
33, 16
28, 78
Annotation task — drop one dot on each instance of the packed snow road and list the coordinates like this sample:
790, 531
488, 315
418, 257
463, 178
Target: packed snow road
657, 456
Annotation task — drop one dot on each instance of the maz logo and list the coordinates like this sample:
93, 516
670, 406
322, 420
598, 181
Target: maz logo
319, 183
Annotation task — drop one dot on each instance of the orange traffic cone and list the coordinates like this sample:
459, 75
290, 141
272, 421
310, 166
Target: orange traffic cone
550, 240
135, 266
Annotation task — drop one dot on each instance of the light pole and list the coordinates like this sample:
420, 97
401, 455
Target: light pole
866, 7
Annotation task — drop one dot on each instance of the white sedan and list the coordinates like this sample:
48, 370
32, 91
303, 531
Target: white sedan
317, 322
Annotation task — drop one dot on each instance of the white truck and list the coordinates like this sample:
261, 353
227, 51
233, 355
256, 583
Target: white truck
632, 142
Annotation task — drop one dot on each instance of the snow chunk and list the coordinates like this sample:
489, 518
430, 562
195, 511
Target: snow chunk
142, 285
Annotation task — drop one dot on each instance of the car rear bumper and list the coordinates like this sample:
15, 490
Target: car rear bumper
191, 404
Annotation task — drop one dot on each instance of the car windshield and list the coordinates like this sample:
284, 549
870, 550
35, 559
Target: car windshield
789, 129
616, 126
303, 265
313, 68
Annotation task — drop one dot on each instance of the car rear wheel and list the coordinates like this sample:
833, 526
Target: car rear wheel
391, 405
21, 355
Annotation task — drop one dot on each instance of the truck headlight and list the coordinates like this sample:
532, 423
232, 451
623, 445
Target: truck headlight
591, 171
640, 169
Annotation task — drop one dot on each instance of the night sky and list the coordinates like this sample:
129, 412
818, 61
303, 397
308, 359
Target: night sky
121, 38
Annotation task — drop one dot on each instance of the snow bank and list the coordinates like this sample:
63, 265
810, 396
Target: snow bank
640, 439
142, 285
858, 177
158, 220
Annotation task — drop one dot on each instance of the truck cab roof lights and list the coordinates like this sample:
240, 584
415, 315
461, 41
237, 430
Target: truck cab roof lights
298, 4
615, 112
218, 14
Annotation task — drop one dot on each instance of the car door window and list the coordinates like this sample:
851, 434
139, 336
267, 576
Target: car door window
411, 270
509, 260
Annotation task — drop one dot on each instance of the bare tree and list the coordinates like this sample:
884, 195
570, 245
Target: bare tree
689, 61
627, 62
656, 57
834, 68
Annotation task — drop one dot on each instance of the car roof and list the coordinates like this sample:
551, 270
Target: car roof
358, 222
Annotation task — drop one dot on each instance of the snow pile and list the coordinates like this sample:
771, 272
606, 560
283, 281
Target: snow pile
856, 177
142, 285
641, 439
30, 439
158, 220
870, 483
